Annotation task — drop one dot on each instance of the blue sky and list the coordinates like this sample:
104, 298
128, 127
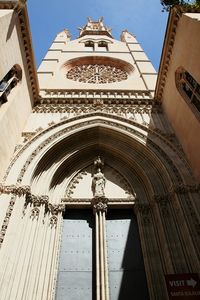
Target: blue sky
144, 18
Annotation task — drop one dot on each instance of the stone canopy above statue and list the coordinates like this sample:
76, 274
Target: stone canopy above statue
96, 28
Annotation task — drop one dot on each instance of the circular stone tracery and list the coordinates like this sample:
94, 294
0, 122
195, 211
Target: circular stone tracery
96, 74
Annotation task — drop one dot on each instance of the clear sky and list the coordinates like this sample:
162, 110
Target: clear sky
144, 18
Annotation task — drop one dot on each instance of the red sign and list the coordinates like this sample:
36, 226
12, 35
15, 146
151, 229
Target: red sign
183, 286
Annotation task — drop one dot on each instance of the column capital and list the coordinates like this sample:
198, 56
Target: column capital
100, 204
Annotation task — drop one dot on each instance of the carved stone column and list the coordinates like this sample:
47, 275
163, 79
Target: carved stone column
151, 255
29, 261
100, 209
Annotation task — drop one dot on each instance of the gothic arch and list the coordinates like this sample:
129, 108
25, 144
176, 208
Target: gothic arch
113, 133
153, 168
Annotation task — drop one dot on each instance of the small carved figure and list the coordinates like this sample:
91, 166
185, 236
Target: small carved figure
98, 163
98, 184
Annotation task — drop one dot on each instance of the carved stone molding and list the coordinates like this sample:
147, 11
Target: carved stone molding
18, 147
86, 202
168, 135
182, 191
165, 60
175, 189
175, 15
34, 201
191, 211
99, 204
110, 121
53, 221
96, 105
144, 210
28, 135
35, 213
51, 123
55, 209
163, 203
20, 9
73, 183
185, 188
98, 102
87, 97
14, 189
161, 198
7, 219
100, 207
37, 201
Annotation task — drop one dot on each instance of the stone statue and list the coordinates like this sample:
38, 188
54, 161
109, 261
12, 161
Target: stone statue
98, 184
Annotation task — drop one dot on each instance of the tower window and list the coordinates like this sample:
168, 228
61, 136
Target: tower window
89, 45
9, 81
102, 46
188, 87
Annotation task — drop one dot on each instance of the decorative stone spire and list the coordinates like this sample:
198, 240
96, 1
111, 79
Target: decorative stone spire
63, 36
127, 37
95, 28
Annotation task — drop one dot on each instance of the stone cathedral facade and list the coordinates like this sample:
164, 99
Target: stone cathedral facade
100, 168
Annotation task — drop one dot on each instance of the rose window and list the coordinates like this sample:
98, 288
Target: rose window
96, 73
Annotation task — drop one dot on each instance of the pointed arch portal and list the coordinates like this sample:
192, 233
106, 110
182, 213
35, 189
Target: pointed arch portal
114, 237
101, 254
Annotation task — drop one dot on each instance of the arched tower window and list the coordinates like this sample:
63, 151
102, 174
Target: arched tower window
102, 46
89, 45
188, 87
9, 81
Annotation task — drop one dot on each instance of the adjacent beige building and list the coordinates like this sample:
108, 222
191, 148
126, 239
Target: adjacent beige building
99, 162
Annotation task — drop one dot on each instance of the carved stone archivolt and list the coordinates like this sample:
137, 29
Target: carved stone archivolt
113, 124
193, 214
178, 189
163, 203
7, 219
73, 183
14, 189
144, 210
185, 188
29, 135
